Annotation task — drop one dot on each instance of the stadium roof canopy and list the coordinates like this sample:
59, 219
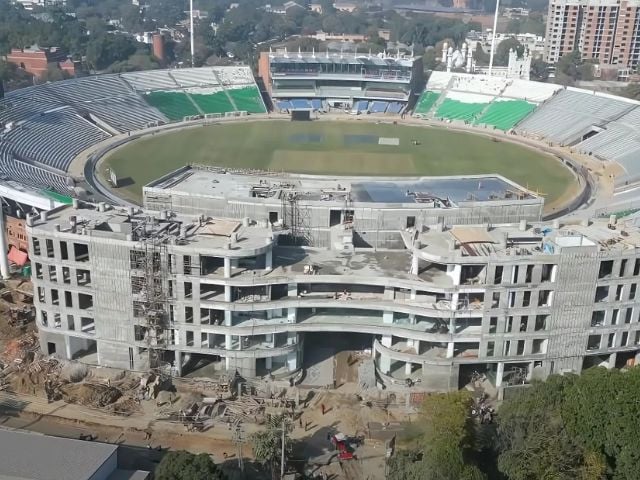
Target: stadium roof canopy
338, 58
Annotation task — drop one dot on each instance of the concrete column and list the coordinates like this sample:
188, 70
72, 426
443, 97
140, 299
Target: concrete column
292, 361
292, 290
268, 260
387, 317
268, 362
454, 271
227, 267
611, 363
178, 363
227, 318
227, 342
227, 293
413, 294
415, 265
530, 371
454, 301
195, 291
386, 340
450, 346
292, 314
4, 250
407, 368
67, 345
499, 374
385, 364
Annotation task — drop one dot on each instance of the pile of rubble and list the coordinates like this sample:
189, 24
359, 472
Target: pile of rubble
24, 369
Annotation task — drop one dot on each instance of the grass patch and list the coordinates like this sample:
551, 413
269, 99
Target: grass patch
348, 163
267, 145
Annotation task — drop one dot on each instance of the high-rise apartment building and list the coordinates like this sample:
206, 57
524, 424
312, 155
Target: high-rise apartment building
605, 31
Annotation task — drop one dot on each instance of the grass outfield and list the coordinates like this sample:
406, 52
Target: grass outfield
322, 148
346, 162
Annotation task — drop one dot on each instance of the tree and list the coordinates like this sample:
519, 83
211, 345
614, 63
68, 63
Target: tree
183, 465
430, 59
567, 68
13, 77
167, 12
504, 47
632, 91
613, 430
443, 445
539, 69
514, 26
480, 56
267, 445
53, 74
136, 62
107, 49
533, 440
406, 465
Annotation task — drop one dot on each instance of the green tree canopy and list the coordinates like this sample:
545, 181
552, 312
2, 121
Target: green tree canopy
267, 444
106, 49
183, 465
443, 445
573, 427
632, 91
504, 47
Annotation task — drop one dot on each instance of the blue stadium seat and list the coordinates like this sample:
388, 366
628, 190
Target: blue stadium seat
361, 106
378, 107
394, 107
301, 104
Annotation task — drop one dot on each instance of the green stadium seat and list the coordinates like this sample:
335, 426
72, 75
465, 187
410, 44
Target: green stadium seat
506, 115
247, 99
425, 102
175, 105
213, 102
457, 110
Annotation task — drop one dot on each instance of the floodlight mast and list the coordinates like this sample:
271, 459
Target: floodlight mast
191, 25
493, 36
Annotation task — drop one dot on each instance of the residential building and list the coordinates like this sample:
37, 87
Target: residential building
31, 4
37, 61
604, 31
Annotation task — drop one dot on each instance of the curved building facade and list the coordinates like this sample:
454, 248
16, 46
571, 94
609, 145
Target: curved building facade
133, 289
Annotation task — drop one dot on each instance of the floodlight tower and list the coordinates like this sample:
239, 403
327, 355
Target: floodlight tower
191, 27
493, 36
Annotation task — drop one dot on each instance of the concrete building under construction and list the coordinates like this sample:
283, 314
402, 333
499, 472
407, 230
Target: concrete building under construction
249, 276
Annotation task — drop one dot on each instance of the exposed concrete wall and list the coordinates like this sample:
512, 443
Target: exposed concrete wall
573, 304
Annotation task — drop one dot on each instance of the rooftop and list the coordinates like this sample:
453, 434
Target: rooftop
328, 57
529, 239
430, 191
136, 225
30, 456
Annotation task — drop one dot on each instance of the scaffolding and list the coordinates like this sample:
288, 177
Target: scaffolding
295, 219
149, 270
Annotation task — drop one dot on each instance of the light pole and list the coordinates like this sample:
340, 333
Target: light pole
493, 36
191, 26
283, 443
